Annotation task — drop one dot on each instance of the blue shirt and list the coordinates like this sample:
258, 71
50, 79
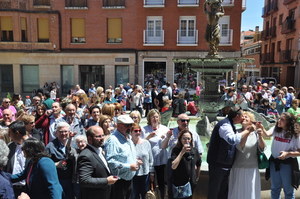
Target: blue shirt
120, 154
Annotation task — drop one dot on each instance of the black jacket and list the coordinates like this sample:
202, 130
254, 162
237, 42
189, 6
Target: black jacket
92, 175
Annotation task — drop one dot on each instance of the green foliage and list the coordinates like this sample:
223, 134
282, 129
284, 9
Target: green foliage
8, 96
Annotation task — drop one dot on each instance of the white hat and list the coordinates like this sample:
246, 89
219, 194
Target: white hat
124, 119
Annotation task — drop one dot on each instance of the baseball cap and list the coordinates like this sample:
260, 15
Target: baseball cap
124, 119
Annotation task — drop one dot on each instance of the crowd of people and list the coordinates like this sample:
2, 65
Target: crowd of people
91, 144
87, 146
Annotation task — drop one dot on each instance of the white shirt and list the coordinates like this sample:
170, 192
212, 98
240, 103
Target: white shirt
52, 127
100, 154
19, 163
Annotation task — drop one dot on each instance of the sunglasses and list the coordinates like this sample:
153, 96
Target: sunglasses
6, 102
185, 121
137, 130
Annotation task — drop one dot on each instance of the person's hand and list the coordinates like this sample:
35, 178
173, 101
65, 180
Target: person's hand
139, 162
259, 125
23, 196
259, 132
151, 135
169, 133
134, 167
112, 179
186, 148
49, 112
283, 155
250, 128
72, 134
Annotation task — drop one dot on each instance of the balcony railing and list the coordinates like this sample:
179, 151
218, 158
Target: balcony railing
154, 37
5, 4
269, 33
188, 3
270, 8
286, 56
285, 2
76, 3
288, 26
41, 3
267, 58
154, 3
187, 37
113, 3
228, 3
226, 37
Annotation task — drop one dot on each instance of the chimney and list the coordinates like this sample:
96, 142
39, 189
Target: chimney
256, 28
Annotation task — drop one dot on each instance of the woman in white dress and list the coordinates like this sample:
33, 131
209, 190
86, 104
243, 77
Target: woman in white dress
244, 178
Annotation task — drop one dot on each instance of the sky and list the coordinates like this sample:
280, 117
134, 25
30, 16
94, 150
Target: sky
251, 17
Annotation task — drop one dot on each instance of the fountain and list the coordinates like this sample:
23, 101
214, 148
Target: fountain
212, 67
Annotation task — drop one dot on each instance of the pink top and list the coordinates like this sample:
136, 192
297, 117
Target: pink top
198, 90
13, 110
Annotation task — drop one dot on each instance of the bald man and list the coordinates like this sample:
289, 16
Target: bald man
6, 104
7, 118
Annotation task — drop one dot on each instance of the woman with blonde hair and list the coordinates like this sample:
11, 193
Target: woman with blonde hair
244, 178
29, 121
105, 123
156, 134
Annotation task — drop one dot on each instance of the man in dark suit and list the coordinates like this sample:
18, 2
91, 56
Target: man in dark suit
94, 174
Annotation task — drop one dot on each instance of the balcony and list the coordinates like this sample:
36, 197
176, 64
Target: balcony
76, 4
267, 58
187, 38
285, 2
286, 56
187, 3
41, 3
288, 26
269, 33
226, 37
5, 4
154, 38
113, 3
270, 8
154, 3
228, 3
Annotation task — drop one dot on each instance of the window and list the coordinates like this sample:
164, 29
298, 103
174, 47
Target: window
154, 26
30, 78
6, 79
278, 46
67, 77
78, 30
114, 30
122, 75
187, 27
6, 29
43, 30
280, 19
23, 29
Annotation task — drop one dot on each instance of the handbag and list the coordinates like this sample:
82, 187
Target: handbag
262, 160
182, 191
153, 193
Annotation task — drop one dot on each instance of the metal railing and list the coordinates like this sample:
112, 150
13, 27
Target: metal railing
154, 2
187, 37
269, 8
154, 37
187, 2
269, 33
76, 3
286, 56
41, 3
267, 58
288, 26
113, 3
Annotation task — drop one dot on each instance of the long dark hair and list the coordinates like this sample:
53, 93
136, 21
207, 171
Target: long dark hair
34, 149
181, 133
290, 121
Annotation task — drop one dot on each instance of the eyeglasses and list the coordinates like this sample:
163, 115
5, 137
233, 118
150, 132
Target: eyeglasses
134, 117
185, 120
6, 102
137, 130
128, 125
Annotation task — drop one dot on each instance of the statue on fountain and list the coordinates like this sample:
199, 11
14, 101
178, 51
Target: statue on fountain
214, 10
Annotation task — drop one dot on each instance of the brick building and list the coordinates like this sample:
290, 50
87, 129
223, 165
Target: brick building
280, 45
251, 46
106, 42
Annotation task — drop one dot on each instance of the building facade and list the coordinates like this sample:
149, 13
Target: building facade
106, 42
280, 41
251, 47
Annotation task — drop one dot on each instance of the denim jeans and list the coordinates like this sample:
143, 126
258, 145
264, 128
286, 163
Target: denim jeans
140, 185
281, 179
